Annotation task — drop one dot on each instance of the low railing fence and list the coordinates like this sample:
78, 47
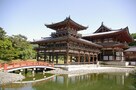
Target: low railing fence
7, 66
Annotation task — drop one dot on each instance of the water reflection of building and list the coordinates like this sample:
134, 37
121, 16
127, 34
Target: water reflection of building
91, 79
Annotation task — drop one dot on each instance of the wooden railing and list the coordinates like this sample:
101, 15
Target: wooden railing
0, 65
7, 66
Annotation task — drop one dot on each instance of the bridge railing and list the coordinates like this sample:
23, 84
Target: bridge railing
1, 66
7, 66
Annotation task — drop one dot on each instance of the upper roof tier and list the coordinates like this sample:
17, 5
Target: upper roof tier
103, 28
66, 24
104, 32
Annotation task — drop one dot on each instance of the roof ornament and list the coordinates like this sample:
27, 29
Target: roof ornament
68, 17
87, 26
102, 23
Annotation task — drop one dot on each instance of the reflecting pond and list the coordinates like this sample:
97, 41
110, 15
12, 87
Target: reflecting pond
104, 81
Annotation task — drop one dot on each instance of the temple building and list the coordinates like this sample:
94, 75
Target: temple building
104, 44
67, 43
130, 55
114, 42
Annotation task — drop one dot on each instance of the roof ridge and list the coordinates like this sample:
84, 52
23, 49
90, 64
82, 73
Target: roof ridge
63, 23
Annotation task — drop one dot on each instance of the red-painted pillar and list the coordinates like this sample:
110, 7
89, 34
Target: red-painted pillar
13, 65
0, 65
5, 67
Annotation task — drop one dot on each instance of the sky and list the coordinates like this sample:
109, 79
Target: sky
27, 17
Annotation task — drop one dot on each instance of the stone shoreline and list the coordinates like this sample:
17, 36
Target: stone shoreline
34, 81
9, 77
92, 70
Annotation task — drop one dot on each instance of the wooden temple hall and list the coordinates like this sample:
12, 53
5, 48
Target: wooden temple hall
113, 42
66, 43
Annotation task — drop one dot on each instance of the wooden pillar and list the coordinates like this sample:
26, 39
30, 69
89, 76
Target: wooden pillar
103, 54
44, 55
122, 55
37, 55
89, 58
67, 53
56, 58
96, 58
53, 57
93, 58
113, 51
84, 58
70, 58
108, 58
99, 56
115, 54
49, 57
66, 57
79, 57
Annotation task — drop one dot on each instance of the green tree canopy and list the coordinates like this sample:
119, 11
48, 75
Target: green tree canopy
2, 33
15, 47
6, 49
23, 48
133, 43
133, 35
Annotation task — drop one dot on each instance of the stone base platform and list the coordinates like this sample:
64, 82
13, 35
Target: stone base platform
77, 67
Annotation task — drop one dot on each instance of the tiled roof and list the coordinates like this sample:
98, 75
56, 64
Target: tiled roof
131, 49
103, 33
68, 22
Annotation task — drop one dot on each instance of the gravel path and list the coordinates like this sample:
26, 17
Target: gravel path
9, 77
93, 70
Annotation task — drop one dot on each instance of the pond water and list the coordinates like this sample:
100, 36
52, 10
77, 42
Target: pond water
104, 81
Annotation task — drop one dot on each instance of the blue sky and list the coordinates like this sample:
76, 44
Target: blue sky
27, 17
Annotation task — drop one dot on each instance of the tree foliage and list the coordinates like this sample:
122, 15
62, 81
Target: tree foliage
6, 49
15, 47
133, 43
2, 34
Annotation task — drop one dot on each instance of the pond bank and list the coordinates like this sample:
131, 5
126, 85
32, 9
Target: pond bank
34, 81
91, 70
9, 77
